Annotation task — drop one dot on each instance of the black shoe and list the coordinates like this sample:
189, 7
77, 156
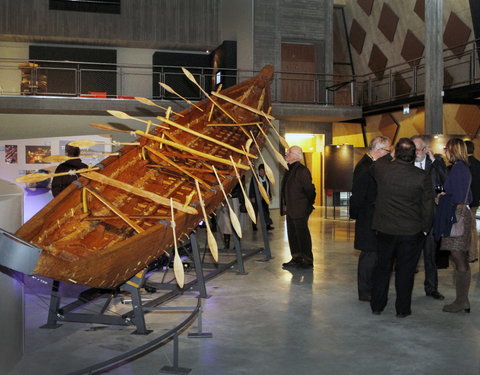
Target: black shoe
376, 312
269, 227
473, 260
403, 315
292, 263
365, 298
306, 266
436, 295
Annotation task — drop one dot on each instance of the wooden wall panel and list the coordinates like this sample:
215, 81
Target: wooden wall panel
157, 24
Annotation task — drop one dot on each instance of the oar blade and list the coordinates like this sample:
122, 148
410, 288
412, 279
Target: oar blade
212, 244
235, 222
109, 128
32, 177
118, 114
178, 269
269, 174
251, 211
56, 158
83, 143
144, 100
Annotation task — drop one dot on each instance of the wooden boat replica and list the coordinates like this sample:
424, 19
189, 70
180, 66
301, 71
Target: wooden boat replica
114, 221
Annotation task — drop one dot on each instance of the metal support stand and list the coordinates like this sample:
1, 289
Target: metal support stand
200, 333
54, 307
133, 286
263, 223
65, 314
198, 266
238, 250
175, 369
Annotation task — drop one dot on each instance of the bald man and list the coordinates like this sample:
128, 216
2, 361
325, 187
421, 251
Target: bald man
296, 202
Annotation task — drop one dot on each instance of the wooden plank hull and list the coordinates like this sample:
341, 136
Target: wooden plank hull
99, 249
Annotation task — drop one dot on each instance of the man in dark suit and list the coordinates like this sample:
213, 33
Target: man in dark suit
59, 183
424, 159
403, 216
474, 165
296, 202
362, 204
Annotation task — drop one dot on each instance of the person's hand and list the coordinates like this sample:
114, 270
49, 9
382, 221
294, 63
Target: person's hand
437, 198
430, 154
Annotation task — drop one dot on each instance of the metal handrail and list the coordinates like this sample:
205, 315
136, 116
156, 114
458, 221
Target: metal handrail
366, 89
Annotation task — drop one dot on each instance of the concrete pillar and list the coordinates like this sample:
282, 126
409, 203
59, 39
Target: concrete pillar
328, 36
433, 66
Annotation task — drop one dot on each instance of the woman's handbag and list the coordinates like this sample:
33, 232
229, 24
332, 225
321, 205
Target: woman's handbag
458, 228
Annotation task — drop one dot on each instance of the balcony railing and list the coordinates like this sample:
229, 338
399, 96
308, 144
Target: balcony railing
82, 79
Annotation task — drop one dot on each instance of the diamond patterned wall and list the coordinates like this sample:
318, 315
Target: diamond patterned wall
357, 36
394, 32
388, 22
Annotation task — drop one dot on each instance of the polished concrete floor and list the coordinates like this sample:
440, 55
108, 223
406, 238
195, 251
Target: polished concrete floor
274, 321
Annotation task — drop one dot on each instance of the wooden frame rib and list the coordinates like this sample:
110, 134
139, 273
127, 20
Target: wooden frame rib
114, 209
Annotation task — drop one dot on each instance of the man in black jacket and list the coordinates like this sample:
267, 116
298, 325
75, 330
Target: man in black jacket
435, 167
59, 183
362, 204
474, 165
296, 202
403, 216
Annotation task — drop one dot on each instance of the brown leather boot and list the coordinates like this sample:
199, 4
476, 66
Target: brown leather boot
462, 284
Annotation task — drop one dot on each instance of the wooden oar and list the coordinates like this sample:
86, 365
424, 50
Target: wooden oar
88, 143
244, 124
248, 144
178, 269
248, 204
150, 102
164, 158
110, 128
283, 141
172, 91
261, 188
268, 170
62, 158
173, 144
279, 157
212, 243
37, 177
134, 190
241, 105
206, 137
233, 217
192, 78
124, 116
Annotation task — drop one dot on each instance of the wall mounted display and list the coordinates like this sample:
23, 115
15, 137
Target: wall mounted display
36, 154
23, 156
11, 154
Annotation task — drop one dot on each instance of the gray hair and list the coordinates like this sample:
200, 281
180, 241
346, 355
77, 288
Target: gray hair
424, 139
297, 151
379, 142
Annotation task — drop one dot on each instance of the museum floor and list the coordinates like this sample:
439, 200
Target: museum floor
274, 321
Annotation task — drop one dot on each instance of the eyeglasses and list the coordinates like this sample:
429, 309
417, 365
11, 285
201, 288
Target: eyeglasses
420, 149
386, 149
